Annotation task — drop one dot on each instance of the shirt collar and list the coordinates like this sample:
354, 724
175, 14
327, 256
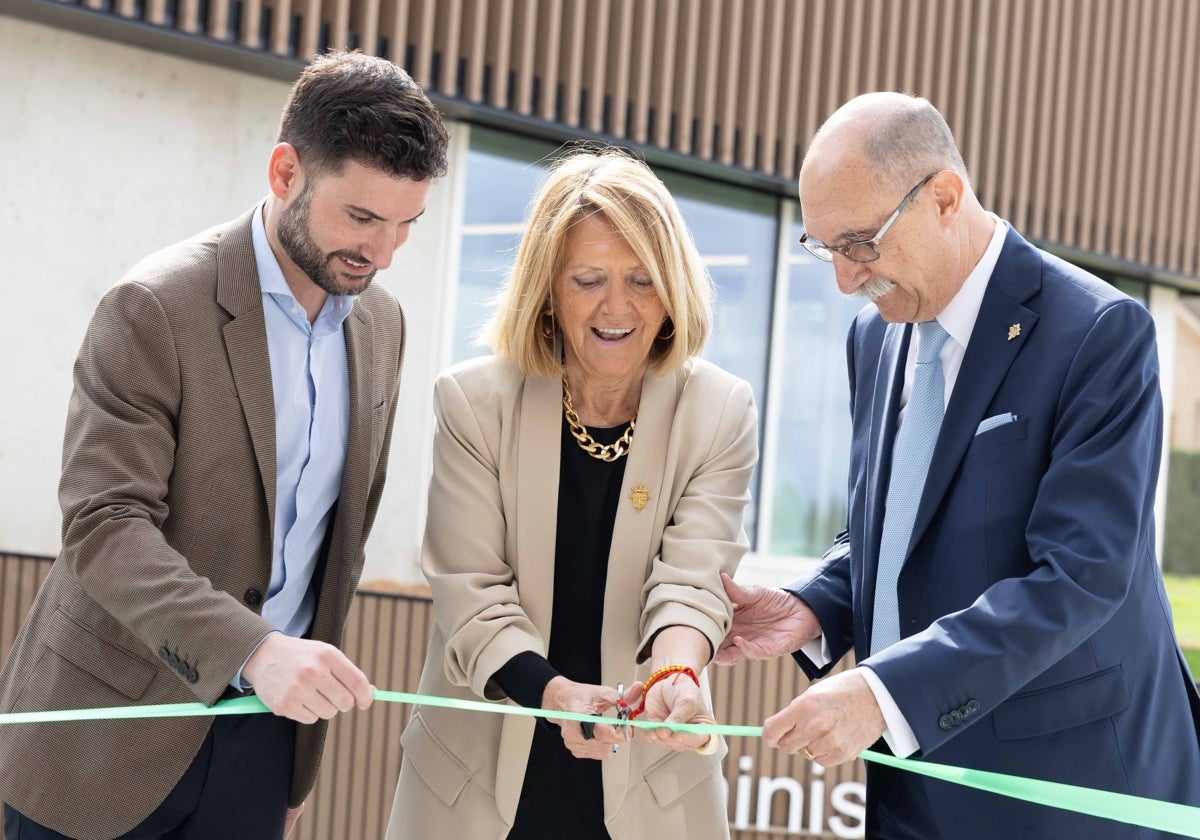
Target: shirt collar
958, 318
272, 282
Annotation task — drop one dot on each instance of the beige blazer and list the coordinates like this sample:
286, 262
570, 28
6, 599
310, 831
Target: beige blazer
168, 498
489, 557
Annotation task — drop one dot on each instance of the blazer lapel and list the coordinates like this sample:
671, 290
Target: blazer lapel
239, 293
990, 354
537, 496
885, 402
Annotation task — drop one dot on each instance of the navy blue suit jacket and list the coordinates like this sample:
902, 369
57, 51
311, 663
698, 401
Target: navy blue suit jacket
1036, 637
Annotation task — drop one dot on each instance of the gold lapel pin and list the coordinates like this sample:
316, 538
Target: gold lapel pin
1014, 331
640, 496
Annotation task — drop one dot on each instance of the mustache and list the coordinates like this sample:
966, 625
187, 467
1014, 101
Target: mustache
874, 289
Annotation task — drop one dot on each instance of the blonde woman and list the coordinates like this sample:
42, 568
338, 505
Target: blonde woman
588, 488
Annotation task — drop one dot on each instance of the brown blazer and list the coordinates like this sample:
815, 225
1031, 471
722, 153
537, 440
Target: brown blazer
489, 557
168, 498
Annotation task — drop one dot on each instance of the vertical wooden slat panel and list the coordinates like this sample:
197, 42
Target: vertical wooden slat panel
447, 35
1151, 222
422, 26
619, 55
771, 96
1187, 139
1095, 129
1174, 152
1049, 114
745, 95
1008, 99
706, 109
310, 28
793, 129
474, 48
685, 96
251, 24
1063, 173
973, 143
125, 8
218, 20
156, 12
816, 111
575, 25
728, 86
1138, 98
1030, 94
395, 27
278, 40
594, 82
338, 18
1129, 111
364, 24
549, 43
668, 27
644, 38
525, 53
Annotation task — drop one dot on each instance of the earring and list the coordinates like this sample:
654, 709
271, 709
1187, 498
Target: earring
547, 325
669, 335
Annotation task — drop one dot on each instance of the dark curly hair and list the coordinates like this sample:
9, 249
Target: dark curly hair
351, 106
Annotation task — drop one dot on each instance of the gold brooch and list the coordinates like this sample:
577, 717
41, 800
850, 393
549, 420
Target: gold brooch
1014, 331
640, 495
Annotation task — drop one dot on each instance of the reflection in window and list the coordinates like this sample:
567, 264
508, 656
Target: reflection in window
809, 493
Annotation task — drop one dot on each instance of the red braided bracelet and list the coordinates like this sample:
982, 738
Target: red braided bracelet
677, 670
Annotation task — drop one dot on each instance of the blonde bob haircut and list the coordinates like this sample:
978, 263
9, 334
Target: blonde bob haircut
635, 202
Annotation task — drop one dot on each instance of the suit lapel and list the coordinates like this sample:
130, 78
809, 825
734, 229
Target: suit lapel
885, 403
990, 354
239, 293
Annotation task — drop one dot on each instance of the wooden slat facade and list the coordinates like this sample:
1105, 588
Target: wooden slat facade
387, 635
1080, 119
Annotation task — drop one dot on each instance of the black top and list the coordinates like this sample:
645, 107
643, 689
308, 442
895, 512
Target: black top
562, 795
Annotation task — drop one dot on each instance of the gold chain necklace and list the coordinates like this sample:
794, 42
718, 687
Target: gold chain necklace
587, 443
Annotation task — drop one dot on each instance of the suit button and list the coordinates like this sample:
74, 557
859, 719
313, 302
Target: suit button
972, 707
253, 597
164, 654
945, 722
956, 717
191, 675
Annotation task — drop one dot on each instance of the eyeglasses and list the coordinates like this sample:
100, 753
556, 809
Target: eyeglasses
865, 250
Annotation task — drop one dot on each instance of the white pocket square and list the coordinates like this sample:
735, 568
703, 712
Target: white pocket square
993, 422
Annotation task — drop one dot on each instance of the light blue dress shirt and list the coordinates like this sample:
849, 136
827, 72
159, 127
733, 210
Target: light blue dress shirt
311, 384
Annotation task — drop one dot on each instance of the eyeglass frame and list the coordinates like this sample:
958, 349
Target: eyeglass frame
825, 252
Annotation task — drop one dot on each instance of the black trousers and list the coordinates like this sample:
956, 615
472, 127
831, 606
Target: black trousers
237, 786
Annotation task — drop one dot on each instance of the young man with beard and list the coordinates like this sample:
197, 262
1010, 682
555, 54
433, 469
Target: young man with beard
225, 452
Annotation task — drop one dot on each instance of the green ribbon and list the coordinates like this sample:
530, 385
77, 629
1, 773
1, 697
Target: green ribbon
1134, 810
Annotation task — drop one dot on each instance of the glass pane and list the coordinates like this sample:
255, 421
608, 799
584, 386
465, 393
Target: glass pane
809, 502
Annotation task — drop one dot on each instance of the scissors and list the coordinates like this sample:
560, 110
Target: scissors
624, 711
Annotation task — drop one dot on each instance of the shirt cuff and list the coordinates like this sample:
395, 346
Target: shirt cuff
817, 651
239, 684
899, 735
524, 678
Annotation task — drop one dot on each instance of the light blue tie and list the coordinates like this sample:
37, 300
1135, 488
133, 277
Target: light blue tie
911, 455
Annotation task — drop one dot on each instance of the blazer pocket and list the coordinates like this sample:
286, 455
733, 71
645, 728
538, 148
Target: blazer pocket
674, 775
107, 663
998, 436
1054, 709
439, 769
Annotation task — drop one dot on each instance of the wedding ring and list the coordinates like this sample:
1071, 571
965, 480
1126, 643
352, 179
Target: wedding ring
811, 757
710, 746
616, 748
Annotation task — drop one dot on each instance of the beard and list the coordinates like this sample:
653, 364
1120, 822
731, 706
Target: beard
874, 289
295, 235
